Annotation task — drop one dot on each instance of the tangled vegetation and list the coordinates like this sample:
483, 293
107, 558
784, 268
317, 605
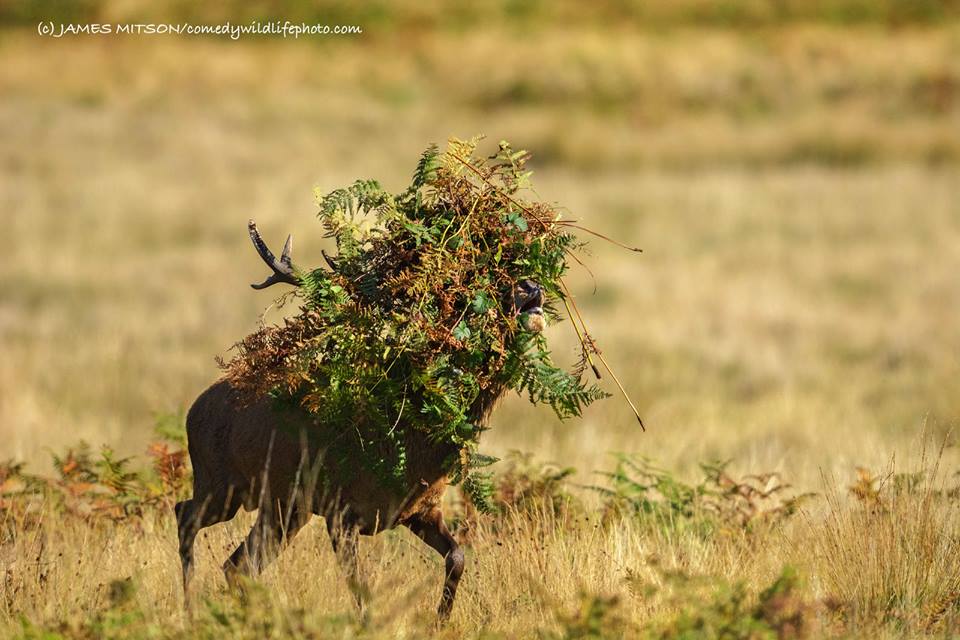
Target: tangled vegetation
414, 324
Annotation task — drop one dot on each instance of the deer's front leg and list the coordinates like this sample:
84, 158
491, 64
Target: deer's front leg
433, 530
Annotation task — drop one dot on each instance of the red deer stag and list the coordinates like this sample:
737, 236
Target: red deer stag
258, 456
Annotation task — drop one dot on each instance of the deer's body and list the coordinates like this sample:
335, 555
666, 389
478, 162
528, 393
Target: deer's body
250, 454
259, 455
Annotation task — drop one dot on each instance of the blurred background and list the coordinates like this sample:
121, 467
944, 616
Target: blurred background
790, 168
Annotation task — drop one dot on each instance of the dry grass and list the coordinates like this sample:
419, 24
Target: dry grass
794, 188
896, 559
882, 565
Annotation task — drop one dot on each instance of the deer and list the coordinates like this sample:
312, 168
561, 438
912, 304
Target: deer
255, 455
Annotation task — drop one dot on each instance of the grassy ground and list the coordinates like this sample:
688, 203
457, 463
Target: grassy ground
794, 187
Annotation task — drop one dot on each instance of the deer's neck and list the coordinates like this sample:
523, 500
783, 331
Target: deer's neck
428, 459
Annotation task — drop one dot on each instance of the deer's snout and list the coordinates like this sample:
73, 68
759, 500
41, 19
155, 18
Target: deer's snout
528, 298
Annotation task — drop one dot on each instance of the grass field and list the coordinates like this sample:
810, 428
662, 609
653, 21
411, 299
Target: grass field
795, 187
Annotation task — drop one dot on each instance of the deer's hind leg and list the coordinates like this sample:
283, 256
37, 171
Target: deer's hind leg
196, 514
270, 534
431, 528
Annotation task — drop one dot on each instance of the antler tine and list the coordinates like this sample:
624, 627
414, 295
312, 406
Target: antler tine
282, 269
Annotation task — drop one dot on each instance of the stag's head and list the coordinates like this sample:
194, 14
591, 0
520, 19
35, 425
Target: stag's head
527, 303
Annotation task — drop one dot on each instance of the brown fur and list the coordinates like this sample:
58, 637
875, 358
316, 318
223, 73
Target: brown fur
254, 455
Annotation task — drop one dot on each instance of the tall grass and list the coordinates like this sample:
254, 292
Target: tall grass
553, 561
894, 557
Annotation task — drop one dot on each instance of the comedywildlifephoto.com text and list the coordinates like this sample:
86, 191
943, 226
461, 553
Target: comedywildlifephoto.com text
285, 29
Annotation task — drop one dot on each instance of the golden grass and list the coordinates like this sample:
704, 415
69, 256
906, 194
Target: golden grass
881, 566
898, 559
795, 310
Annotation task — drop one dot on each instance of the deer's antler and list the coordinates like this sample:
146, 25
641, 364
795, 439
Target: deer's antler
282, 268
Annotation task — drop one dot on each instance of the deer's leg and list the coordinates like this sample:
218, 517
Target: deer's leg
433, 530
192, 516
186, 534
269, 535
343, 539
